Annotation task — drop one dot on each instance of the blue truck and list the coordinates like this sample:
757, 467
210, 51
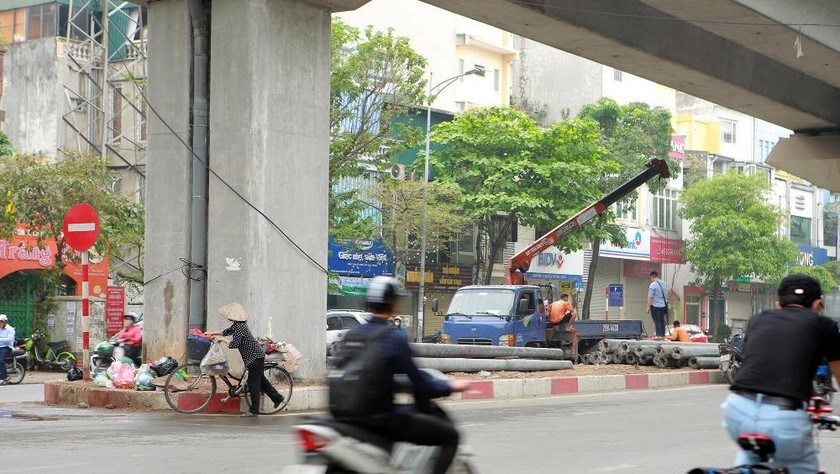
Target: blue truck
515, 314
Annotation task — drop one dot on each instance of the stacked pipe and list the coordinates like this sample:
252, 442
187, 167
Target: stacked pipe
465, 358
663, 354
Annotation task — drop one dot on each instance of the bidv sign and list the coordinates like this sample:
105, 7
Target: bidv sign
636, 247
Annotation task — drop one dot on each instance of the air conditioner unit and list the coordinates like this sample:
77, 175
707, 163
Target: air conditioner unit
397, 172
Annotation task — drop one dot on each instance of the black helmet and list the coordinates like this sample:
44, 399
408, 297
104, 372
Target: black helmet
383, 290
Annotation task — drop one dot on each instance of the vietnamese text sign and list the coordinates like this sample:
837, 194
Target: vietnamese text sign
666, 250
360, 258
114, 309
616, 294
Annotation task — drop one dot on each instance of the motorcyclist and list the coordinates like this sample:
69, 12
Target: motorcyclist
131, 338
396, 421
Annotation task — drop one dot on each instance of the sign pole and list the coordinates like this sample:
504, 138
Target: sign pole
85, 316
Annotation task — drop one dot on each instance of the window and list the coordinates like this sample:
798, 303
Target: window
349, 322
727, 131
800, 230
496, 79
41, 22
141, 119
116, 114
665, 209
333, 324
626, 209
617, 75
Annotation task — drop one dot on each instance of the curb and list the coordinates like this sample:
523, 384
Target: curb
315, 397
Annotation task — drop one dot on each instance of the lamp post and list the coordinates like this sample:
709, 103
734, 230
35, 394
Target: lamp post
436, 89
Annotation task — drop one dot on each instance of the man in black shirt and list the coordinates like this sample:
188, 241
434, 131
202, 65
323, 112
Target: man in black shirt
771, 390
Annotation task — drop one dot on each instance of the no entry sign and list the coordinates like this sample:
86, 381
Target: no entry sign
81, 227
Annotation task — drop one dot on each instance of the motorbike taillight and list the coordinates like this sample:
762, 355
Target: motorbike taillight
310, 441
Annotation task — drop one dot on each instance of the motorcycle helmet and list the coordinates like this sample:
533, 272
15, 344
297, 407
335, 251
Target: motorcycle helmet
104, 349
382, 293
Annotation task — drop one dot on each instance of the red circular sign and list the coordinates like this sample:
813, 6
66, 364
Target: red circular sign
81, 227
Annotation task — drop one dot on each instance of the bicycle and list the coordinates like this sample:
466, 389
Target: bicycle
188, 390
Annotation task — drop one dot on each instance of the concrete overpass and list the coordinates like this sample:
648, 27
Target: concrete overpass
267, 135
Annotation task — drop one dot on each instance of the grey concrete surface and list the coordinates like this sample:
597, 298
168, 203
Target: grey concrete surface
657, 431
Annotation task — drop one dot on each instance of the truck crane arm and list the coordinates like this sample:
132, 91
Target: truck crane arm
519, 263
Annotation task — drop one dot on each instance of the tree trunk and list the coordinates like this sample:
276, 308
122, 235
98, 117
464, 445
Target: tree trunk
478, 260
590, 278
714, 310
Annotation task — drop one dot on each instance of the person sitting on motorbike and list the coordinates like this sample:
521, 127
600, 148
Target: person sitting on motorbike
131, 338
397, 422
7, 343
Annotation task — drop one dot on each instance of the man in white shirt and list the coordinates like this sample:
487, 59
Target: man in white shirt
7, 343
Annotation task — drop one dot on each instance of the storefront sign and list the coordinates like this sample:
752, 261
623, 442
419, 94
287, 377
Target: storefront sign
362, 258
638, 269
24, 252
677, 147
440, 277
636, 247
666, 250
114, 309
810, 256
555, 265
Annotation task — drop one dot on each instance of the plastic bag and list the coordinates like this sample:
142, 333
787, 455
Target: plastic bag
164, 366
215, 361
122, 375
101, 380
143, 379
291, 356
75, 373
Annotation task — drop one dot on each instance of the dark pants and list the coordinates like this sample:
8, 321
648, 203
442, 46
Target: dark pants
433, 429
4, 353
658, 315
133, 353
258, 384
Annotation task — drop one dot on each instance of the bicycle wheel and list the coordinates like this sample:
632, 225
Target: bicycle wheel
67, 360
187, 390
282, 382
16, 372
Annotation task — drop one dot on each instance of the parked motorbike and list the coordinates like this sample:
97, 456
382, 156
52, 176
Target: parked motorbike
731, 357
16, 366
332, 446
823, 387
56, 356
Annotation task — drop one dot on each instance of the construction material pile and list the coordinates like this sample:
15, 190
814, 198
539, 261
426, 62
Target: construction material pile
663, 354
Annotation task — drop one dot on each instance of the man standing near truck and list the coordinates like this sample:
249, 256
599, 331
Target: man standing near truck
562, 314
657, 303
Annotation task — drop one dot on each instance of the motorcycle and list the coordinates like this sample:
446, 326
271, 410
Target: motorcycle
764, 447
731, 357
823, 387
332, 446
106, 352
15, 366
57, 355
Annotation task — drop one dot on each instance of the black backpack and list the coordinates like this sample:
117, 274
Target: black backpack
359, 387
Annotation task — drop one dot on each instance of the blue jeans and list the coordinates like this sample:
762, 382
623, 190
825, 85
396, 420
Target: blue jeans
790, 430
4, 353
658, 315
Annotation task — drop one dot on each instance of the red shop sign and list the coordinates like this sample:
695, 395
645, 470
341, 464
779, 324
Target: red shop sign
114, 309
666, 250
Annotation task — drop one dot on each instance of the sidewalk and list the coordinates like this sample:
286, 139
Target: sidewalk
314, 397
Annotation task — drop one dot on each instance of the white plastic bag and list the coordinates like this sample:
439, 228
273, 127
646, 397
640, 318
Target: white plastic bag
101, 380
143, 379
291, 356
215, 361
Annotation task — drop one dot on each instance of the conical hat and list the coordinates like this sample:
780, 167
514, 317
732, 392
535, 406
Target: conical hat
234, 312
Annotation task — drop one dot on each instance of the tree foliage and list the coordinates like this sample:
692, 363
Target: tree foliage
507, 170
734, 233
38, 192
5, 145
827, 281
401, 206
375, 77
632, 135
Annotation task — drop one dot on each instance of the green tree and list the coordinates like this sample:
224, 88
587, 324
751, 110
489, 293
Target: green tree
833, 267
508, 170
5, 145
827, 281
734, 233
37, 194
375, 76
632, 135
401, 206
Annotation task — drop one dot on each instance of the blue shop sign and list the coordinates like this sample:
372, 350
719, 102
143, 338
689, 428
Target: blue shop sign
810, 256
360, 258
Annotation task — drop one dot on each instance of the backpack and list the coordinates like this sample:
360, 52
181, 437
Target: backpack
359, 386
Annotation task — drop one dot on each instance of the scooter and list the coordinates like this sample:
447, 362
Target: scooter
731, 357
823, 387
332, 446
57, 355
105, 353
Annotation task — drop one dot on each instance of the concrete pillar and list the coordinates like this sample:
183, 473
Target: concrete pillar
166, 296
269, 140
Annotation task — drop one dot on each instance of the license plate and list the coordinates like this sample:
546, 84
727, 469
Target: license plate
303, 469
726, 357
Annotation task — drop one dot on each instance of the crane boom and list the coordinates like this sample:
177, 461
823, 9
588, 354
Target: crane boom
520, 262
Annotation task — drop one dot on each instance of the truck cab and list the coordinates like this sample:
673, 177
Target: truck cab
495, 315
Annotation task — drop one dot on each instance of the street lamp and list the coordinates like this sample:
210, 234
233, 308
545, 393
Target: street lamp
436, 89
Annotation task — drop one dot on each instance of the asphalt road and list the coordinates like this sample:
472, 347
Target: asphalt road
650, 431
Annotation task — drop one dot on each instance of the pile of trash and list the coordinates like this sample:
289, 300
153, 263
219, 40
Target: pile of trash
125, 376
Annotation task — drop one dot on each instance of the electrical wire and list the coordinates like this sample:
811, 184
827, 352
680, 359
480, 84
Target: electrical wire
672, 18
189, 267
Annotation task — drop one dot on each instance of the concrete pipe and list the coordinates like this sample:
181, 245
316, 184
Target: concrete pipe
477, 365
484, 352
693, 351
704, 362
609, 345
630, 358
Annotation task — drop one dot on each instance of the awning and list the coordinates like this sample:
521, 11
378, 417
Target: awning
812, 158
